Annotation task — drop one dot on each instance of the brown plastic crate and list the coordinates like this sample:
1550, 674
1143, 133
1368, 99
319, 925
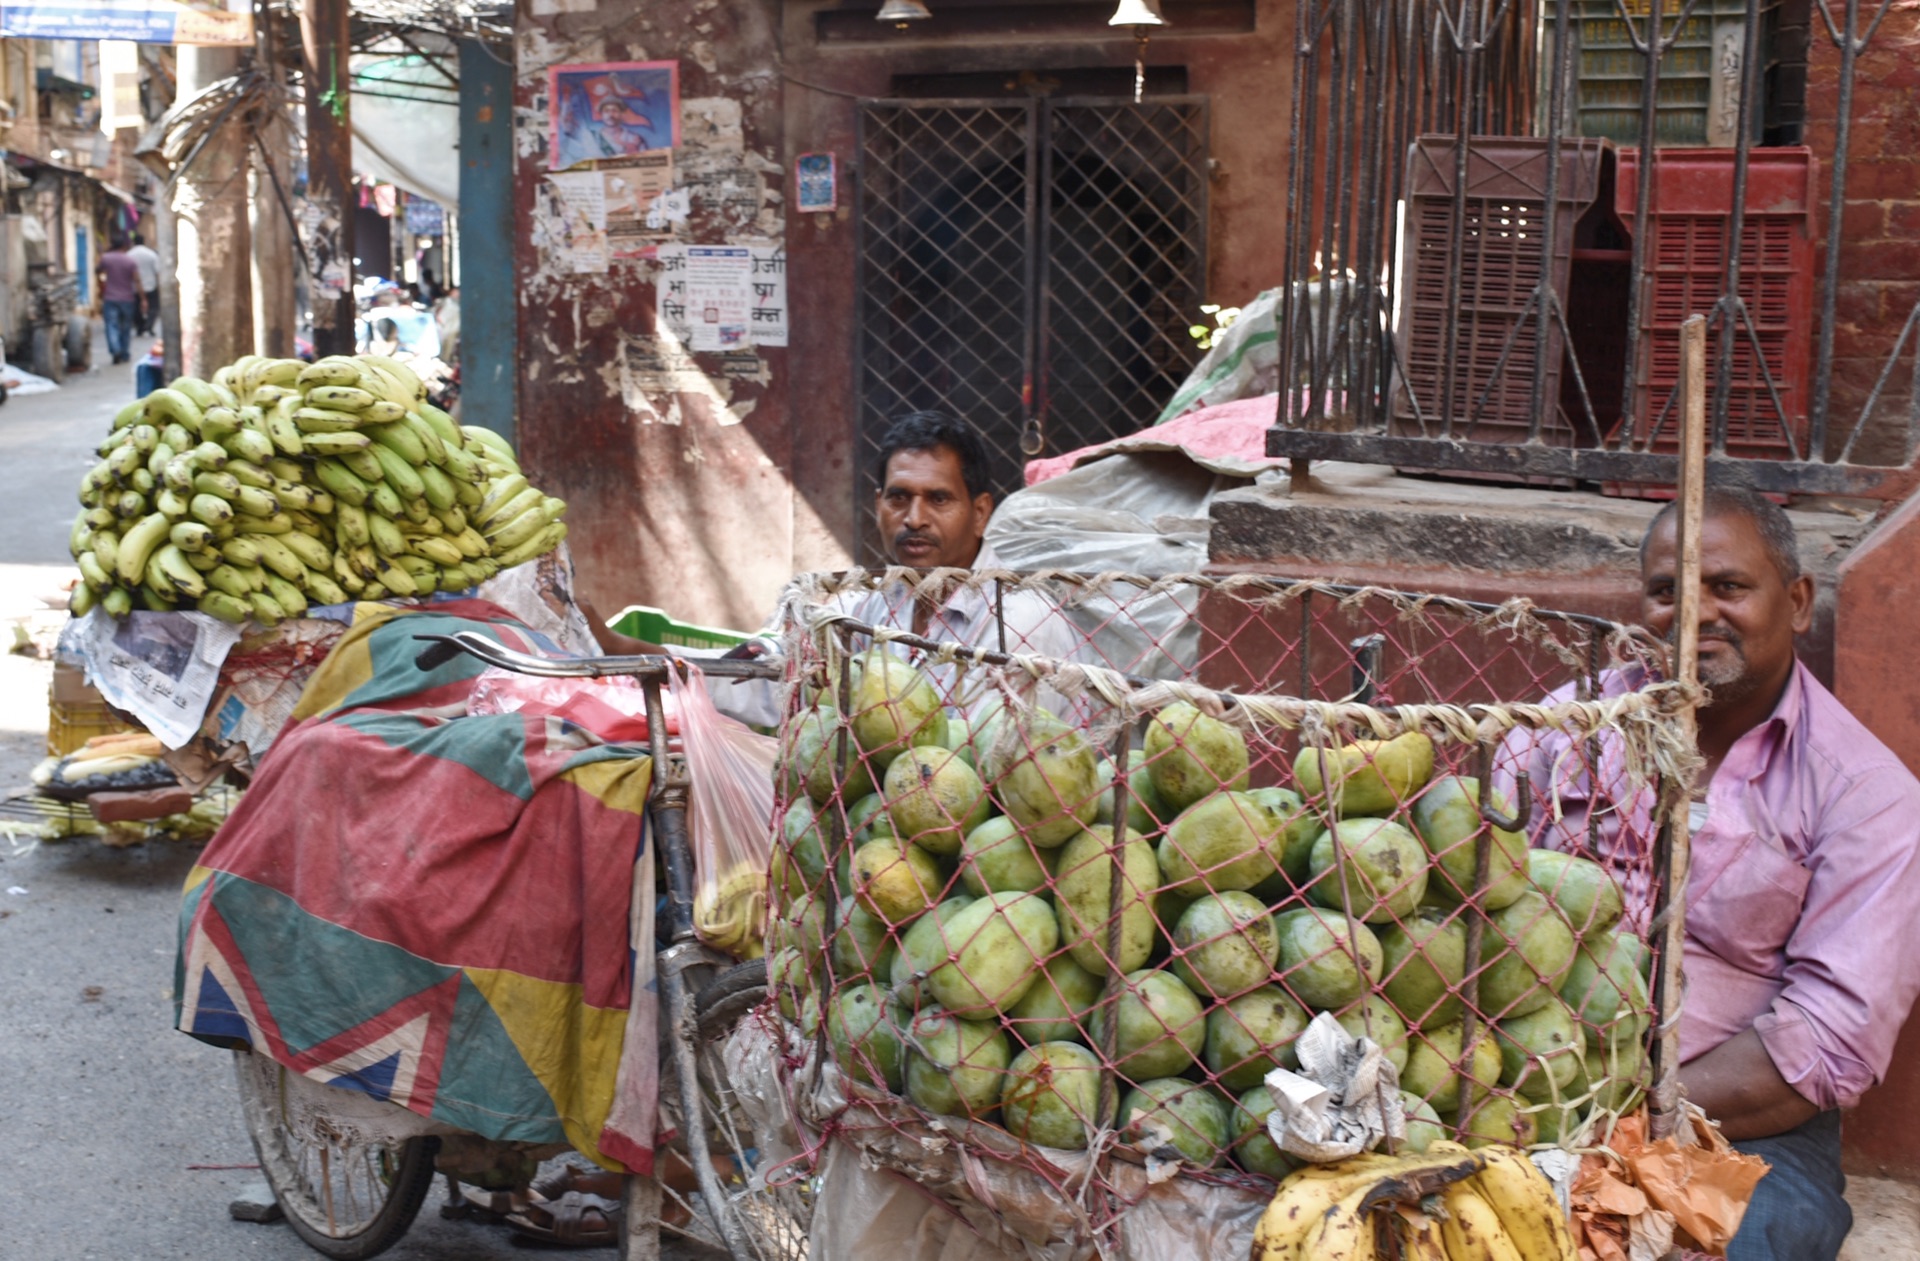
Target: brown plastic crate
1501, 261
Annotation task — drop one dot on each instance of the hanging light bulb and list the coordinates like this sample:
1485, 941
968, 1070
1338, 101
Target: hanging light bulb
1142, 16
1137, 13
901, 12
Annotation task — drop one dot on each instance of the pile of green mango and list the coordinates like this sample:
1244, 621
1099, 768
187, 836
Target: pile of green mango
943, 915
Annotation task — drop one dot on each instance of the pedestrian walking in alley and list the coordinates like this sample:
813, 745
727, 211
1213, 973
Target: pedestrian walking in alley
119, 296
148, 261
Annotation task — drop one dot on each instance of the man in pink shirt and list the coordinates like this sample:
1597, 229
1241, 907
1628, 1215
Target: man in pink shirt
1803, 908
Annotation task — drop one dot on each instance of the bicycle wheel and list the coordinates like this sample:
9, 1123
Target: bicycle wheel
348, 1198
772, 1221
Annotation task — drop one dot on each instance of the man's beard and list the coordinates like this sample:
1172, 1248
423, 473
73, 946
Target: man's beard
1725, 674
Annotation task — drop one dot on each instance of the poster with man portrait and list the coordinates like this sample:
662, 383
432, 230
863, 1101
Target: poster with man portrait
614, 109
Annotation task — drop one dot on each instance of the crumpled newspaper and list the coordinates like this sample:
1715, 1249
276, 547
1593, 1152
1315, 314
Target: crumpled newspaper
1344, 1100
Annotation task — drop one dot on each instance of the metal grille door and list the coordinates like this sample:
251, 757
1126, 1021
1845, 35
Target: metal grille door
1031, 266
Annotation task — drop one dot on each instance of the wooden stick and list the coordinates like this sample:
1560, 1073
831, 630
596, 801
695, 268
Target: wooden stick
1667, 1105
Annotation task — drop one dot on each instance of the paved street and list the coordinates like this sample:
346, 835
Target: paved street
118, 1136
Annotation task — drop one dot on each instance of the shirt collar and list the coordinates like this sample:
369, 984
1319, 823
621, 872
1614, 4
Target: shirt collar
1754, 751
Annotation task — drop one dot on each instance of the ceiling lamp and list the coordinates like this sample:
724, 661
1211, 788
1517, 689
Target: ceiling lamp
901, 12
1142, 16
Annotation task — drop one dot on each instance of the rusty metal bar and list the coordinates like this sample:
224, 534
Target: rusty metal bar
1585, 464
1836, 213
1731, 310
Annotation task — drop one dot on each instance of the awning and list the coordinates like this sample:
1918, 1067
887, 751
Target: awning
48, 81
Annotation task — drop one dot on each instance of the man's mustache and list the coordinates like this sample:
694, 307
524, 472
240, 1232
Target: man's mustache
1712, 630
911, 536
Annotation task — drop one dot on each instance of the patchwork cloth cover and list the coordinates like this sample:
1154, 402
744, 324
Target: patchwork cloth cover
438, 910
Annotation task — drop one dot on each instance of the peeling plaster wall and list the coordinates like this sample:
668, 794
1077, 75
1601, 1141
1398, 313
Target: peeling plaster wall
700, 483
1247, 76
677, 465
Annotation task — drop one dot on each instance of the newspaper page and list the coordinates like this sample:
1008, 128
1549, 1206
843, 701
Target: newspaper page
163, 668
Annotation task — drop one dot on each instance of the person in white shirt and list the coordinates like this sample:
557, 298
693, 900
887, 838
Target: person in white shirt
932, 509
148, 264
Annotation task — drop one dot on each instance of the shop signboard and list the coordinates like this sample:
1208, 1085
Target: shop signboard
207, 22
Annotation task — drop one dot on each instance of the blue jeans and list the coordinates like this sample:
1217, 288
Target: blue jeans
119, 320
1799, 1210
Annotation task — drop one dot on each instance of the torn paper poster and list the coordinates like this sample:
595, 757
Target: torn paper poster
769, 317
754, 274
576, 221
630, 188
719, 296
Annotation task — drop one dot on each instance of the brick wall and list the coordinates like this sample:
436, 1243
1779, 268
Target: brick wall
1879, 233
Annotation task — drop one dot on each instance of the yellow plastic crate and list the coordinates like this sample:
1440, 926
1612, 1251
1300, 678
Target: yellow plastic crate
71, 724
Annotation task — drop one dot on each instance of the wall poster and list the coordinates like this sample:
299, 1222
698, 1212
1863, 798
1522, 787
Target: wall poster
614, 109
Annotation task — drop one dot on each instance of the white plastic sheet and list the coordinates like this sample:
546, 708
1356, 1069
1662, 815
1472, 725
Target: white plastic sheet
1144, 514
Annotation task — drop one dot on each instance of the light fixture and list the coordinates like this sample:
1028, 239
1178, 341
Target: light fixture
901, 12
1142, 16
1137, 13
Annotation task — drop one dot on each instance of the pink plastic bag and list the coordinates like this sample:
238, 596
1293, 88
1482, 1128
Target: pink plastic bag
613, 709
729, 819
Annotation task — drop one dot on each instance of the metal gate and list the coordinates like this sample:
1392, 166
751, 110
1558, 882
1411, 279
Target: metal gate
1032, 266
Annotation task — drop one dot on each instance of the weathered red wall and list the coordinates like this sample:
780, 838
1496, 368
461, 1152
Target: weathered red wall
669, 506
1880, 230
1873, 675
708, 520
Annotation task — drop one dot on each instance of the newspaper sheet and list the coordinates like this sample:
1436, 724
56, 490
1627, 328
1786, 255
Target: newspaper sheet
163, 668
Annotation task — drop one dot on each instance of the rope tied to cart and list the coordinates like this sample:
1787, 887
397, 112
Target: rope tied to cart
1653, 743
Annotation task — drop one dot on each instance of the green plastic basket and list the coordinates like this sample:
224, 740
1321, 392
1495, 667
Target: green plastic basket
642, 621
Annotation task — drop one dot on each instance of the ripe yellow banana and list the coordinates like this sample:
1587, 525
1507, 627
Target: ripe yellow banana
1473, 1231
1524, 1200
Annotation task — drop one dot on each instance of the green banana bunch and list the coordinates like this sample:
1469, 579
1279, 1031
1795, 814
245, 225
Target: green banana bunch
277, 485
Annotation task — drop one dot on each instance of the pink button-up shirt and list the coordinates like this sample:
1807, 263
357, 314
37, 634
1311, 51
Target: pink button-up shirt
1803, 911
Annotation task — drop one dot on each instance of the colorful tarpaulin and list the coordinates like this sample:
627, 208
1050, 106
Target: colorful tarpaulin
438, 910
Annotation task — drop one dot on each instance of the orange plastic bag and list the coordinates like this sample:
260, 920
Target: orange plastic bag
730, 819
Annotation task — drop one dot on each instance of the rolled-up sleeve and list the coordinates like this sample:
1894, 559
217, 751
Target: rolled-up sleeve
1852, 968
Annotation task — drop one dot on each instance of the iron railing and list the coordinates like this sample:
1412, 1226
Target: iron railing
1030, 265
1436, 142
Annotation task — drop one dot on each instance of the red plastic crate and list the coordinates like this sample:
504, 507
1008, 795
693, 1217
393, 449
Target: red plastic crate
1692, 210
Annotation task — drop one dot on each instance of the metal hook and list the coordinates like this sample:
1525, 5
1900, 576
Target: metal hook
1366, 667
1522, 789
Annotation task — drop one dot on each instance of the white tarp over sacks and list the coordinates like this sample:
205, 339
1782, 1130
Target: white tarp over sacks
407, 135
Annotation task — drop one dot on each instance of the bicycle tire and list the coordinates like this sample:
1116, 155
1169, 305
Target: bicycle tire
722, 1001
774, 1220
406, 1172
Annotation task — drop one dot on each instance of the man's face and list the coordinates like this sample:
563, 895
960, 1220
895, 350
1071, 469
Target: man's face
1748, 613
924, 512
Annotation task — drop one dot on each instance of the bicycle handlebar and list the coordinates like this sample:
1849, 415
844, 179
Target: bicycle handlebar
444, 648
